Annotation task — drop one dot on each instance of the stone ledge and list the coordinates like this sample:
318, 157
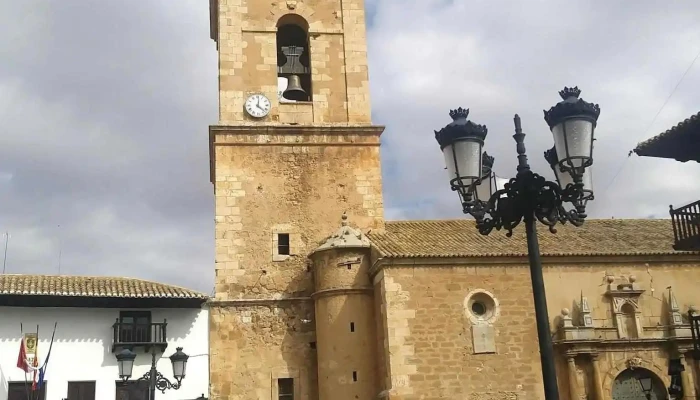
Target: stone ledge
521, 261
256, 302
288, 129
342, 291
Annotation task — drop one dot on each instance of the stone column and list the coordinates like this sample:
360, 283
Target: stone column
597, 379
687, 377
573, 382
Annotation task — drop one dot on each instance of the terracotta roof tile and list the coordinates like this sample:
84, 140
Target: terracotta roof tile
460, 238
91, 286
679, 142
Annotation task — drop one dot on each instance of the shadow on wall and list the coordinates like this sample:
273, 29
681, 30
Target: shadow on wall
3, 382
91, 326
180, 325
297, 320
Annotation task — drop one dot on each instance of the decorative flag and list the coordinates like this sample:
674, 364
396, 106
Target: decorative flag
22, 358
41, 377
36, 365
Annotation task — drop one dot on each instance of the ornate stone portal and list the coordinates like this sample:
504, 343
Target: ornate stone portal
617, 351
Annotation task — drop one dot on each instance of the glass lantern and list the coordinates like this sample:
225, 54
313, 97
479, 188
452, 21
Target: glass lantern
564, 178
572, 122
179, 361
125, 363
461, 142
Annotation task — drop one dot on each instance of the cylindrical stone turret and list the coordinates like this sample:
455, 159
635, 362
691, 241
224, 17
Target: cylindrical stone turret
345, 324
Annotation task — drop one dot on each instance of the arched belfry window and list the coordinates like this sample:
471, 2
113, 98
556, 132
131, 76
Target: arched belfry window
293, 59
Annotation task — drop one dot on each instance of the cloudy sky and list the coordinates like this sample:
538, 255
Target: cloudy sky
104, 109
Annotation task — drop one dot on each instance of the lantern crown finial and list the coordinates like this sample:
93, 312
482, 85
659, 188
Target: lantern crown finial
551, 156
459, 113
571, 107
487, 162
460, 128
568, 92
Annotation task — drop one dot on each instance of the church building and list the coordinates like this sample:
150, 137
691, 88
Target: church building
319, 298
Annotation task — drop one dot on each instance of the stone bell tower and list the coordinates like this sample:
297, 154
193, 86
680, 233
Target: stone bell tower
294, 148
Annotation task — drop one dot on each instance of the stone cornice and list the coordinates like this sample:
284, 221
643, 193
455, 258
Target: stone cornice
594, 346
341, 291
522, 261
286, 129
257, 302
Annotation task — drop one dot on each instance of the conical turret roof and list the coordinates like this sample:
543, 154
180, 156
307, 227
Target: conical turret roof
345, 237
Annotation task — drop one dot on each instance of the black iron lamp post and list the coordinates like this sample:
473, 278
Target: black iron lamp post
156, 380
527, 197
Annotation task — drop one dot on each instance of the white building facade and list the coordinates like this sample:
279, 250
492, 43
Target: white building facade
95, 318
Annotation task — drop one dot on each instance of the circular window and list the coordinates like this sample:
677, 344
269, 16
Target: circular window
478, 308
481, 306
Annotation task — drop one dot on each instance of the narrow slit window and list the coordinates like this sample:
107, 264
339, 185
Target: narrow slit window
283, 244
285, 388
354, 376
352, 327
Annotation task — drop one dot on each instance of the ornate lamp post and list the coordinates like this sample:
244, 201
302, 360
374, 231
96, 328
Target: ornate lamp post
156, 380
527, 197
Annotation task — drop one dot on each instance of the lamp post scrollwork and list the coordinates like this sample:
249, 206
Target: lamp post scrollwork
155, 380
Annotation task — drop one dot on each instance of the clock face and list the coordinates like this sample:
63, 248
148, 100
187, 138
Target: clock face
257, 105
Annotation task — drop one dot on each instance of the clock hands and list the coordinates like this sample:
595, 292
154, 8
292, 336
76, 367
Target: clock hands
257, 105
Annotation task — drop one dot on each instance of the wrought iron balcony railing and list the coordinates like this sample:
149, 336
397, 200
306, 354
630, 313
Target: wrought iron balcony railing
686, 227
695, 330
130, 334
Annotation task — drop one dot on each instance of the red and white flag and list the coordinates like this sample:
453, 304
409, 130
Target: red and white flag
22, 358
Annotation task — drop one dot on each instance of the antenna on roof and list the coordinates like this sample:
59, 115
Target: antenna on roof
59, 250
4, 260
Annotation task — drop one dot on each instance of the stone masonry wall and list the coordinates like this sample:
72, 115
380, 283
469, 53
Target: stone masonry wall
247, 59
298, 184
251, 346
431, 349
429, 334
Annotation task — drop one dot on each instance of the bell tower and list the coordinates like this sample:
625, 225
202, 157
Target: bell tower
293, 150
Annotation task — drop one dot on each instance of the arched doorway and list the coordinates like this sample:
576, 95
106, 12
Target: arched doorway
628, 385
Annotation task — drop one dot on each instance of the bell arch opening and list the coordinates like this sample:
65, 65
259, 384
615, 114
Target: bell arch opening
638, 384
293, 59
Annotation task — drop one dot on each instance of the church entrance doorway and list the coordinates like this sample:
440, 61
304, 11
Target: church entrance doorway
638, 384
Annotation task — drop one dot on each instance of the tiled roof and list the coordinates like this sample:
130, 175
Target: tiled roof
460, 238
681, 142
91, 286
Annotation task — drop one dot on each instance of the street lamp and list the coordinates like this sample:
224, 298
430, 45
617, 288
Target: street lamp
156, 380
528, 196
646, 386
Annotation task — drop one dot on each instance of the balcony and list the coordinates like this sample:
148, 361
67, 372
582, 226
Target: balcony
686, 227
139, 334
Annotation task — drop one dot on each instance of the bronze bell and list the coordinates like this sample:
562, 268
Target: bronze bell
294, 90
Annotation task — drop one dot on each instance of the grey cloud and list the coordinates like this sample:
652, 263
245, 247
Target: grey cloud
104, 112
105, 122
513, 58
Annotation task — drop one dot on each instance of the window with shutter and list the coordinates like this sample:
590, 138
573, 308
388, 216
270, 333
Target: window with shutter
23, 391
81, 390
